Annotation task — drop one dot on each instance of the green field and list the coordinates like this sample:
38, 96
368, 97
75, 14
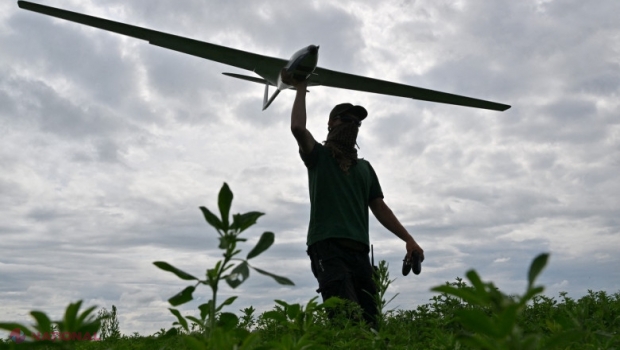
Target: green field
465, 314
591, 322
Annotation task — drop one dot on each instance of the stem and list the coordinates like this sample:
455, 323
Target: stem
227, 257
212, 312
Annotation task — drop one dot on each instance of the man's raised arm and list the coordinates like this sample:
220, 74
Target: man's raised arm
298, 116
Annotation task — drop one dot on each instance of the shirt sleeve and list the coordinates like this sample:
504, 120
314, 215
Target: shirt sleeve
310, 159
375, 187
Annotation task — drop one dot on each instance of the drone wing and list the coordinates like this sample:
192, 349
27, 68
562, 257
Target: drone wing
341, 80
267, 67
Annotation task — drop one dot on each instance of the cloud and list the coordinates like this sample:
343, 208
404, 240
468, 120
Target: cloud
109, 146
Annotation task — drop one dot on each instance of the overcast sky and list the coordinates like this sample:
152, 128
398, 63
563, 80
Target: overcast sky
109, 145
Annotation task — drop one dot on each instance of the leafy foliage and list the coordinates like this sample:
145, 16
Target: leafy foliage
109, 324
72, 327
383, 282
211, 318
590, 322
463, 315
492, 316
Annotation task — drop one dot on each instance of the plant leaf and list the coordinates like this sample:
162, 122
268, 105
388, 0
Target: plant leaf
563, 339
477, 341
476, 282
265, 241
238, 275
275, 315
226, 302
477, 321
10, 326
84, 315
182, 320
171, 332
282, 303
204, 309
212, 219
195, 344
195, 320
467, 295
242, 221
537, 266
279, 279
293, 310
181, 274
69, 324
182, 297
531, 293
44, 324
507, 320
228, 320
90, 328
224, 201
226, 240
251, 341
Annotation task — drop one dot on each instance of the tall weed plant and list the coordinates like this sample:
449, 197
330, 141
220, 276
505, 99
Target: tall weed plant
221, 327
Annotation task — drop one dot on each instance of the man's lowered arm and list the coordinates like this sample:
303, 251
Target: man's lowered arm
386, 217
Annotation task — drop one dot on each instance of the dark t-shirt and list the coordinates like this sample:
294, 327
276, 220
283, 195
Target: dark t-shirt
339, 201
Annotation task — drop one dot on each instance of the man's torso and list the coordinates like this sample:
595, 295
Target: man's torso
339, 201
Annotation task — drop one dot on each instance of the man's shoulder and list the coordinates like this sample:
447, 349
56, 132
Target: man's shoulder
310, 159
366, 168
364, 162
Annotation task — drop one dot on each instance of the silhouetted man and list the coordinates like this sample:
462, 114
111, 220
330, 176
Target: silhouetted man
342, 188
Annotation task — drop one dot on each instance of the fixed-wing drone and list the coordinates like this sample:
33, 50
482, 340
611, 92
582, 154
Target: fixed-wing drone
302, 65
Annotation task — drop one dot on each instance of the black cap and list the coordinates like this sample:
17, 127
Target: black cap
342, 108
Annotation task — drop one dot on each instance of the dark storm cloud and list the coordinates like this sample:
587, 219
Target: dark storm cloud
107, 151
63, 49
490, 260
7, 107
408, 129
552, 46
37, 104
172, 77
566, 121
195, 238
12, 192
43, 214
606, 82
496, 197
167, 74
286, 215
259, 24
58, 115
250, 110
87, 63
573, 121
573, 274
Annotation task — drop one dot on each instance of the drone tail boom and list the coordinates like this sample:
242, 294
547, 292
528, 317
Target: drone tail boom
248, 78
267, 102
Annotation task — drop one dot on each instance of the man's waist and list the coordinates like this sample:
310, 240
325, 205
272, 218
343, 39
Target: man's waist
350, 244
